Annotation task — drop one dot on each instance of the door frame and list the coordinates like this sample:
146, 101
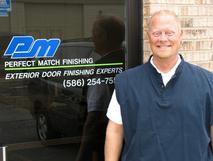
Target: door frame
134, 38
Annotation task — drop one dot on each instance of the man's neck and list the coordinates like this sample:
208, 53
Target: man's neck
165, 65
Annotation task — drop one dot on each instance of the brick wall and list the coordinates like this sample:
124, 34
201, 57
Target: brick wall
197, 23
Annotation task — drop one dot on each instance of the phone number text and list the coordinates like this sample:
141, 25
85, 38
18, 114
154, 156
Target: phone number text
67, 83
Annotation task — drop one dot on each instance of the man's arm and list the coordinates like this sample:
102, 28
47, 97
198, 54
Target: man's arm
114, 141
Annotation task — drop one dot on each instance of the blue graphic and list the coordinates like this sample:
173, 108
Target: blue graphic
5, 5
21, 47
3, 13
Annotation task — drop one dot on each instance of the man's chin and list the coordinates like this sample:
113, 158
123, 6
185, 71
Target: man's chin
163, 55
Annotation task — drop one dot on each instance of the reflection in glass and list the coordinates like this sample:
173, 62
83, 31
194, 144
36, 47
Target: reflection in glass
108, 35
59, 116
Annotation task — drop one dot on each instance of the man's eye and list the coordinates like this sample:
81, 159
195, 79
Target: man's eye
156, 34
170, 33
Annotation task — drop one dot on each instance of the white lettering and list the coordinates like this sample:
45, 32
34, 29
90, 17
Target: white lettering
22, 75
109, 70
77, 61
51, 62
13, 64
51, 74
78, 72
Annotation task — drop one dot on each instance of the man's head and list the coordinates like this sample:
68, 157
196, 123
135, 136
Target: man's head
108, 33
165, 34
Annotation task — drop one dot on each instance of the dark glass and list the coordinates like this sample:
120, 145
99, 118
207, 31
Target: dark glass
53, 105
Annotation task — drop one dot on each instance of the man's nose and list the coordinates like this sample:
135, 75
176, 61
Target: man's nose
163, 37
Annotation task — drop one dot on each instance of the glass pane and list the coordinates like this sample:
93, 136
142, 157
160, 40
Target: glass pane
58, 62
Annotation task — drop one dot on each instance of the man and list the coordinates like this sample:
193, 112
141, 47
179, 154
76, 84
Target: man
163, 110
108, 34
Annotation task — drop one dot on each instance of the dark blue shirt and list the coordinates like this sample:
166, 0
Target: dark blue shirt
166, 123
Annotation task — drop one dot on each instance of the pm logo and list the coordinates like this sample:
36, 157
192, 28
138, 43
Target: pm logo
25, 47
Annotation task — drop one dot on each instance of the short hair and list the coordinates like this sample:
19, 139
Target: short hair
113, 27
164, 12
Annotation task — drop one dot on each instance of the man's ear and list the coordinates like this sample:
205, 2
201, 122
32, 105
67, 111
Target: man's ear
148, 34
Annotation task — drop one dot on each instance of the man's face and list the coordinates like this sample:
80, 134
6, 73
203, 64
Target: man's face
164, 36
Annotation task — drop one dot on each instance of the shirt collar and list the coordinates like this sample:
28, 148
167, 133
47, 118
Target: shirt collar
167, 76
171, 70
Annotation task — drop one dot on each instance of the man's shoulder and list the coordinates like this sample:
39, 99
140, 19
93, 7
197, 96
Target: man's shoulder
116, 56
197, 70
199, 73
